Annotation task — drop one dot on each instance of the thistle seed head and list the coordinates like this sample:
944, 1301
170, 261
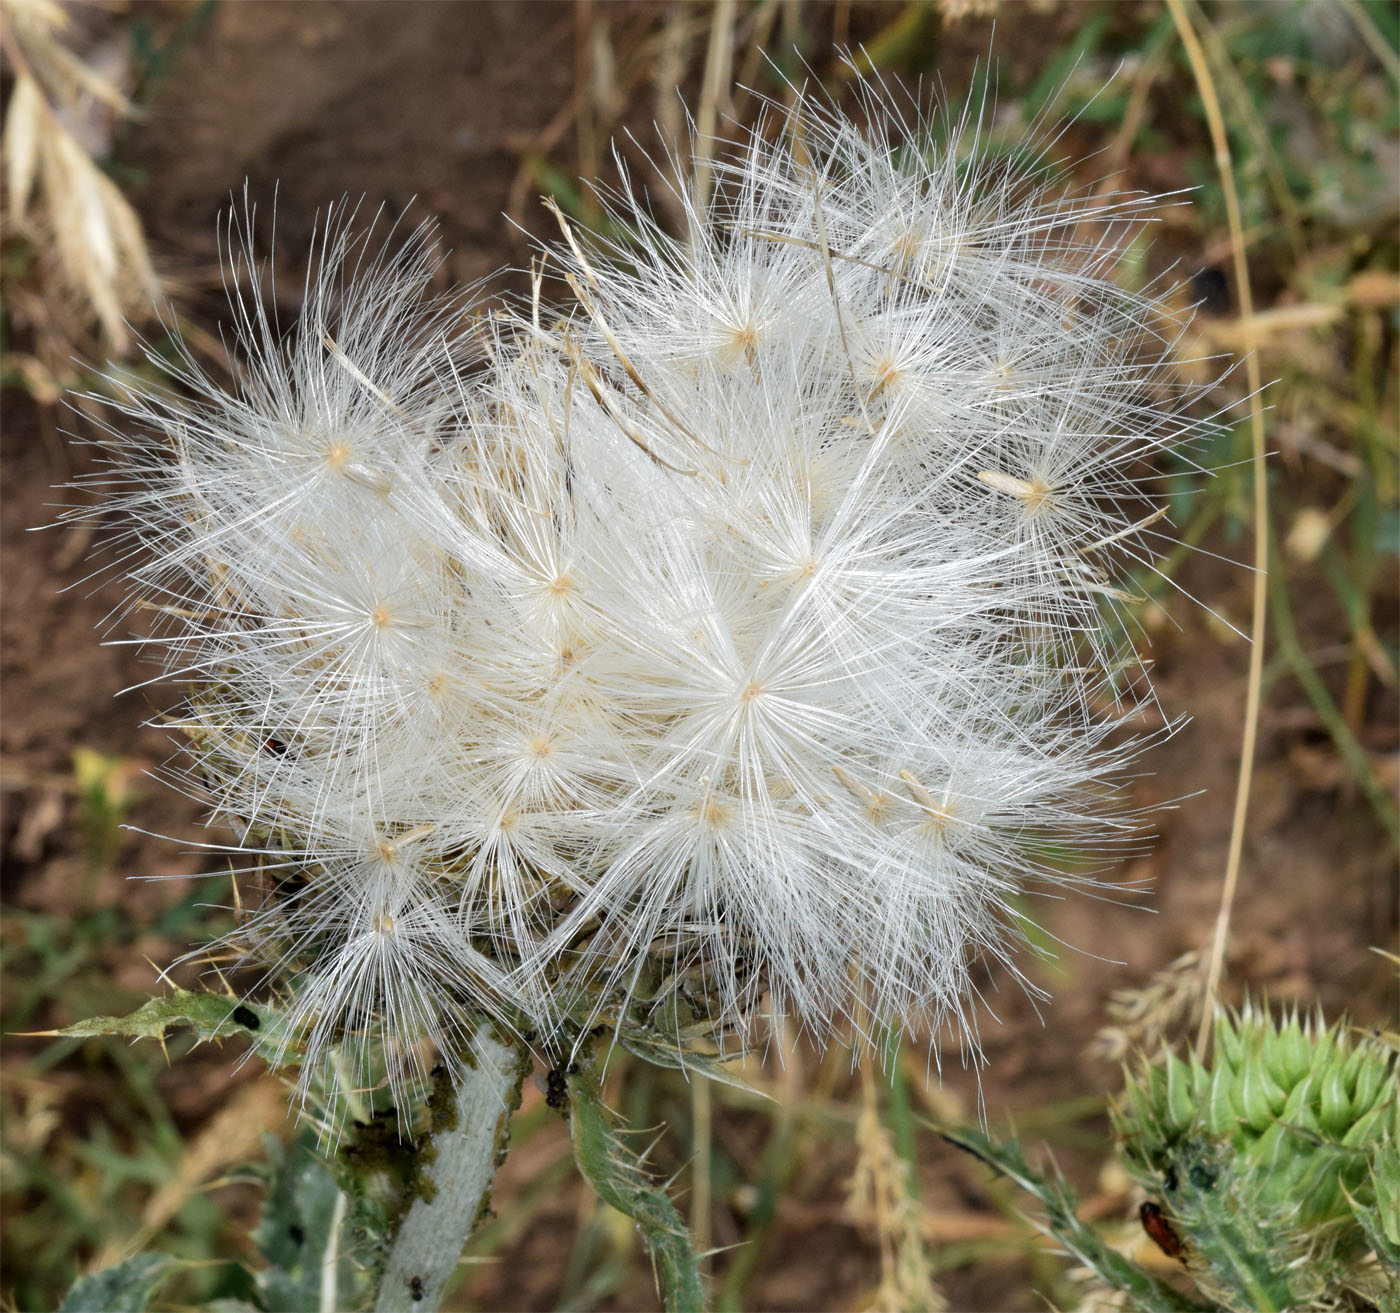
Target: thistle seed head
732, 640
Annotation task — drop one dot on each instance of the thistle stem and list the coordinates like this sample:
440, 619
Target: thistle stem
462, 1164
619, 1178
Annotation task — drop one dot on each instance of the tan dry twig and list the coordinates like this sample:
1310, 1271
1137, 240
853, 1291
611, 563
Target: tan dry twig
1200, 68
719, 73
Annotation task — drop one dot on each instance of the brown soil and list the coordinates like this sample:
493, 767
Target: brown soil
428, 108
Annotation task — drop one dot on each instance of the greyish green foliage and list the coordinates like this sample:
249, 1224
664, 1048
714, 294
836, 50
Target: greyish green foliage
301, 1235
125, 1287
1275, 1162
1062, 1221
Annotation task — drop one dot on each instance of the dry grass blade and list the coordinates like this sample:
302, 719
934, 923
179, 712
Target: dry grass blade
55, 188
38, 27
1200, 69
23, 124
97, 236
719, 69
881, 1196
232, 1136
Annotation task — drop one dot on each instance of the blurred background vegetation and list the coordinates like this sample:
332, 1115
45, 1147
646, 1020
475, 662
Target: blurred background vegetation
128, 125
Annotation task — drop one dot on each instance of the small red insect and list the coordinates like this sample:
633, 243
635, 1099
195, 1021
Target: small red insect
1154, 1222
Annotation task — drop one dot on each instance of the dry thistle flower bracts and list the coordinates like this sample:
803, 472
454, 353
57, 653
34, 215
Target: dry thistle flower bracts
728, 643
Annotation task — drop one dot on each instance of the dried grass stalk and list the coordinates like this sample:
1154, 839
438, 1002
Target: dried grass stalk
57, 195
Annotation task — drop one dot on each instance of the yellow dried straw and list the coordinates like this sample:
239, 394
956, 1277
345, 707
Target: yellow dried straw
715, 87
1205, 83
719, 72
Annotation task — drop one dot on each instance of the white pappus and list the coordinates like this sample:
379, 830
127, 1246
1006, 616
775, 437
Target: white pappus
742, 632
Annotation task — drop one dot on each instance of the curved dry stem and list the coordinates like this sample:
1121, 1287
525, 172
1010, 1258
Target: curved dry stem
1205, 83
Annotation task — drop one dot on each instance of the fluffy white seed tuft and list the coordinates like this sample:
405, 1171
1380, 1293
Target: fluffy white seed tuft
736, 640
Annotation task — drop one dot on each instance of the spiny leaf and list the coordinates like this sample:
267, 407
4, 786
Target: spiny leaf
1063, 1223
126, 1287
654, 1048
620, 1180
211, 1016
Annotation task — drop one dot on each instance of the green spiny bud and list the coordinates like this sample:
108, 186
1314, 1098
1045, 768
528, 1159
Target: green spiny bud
1220, 1110
1292, 1055
1336, 1102
1257, 1094
1278, 1161
1179, 1103
1370, 1081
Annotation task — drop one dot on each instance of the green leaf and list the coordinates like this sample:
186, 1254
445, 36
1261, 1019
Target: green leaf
211, 1016
661, 1050
1055, 72
125, 1288
619, 1179
300, 1232
1062, 1221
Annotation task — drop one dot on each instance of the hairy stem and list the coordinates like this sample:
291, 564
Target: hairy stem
619, 1178
465, 1150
